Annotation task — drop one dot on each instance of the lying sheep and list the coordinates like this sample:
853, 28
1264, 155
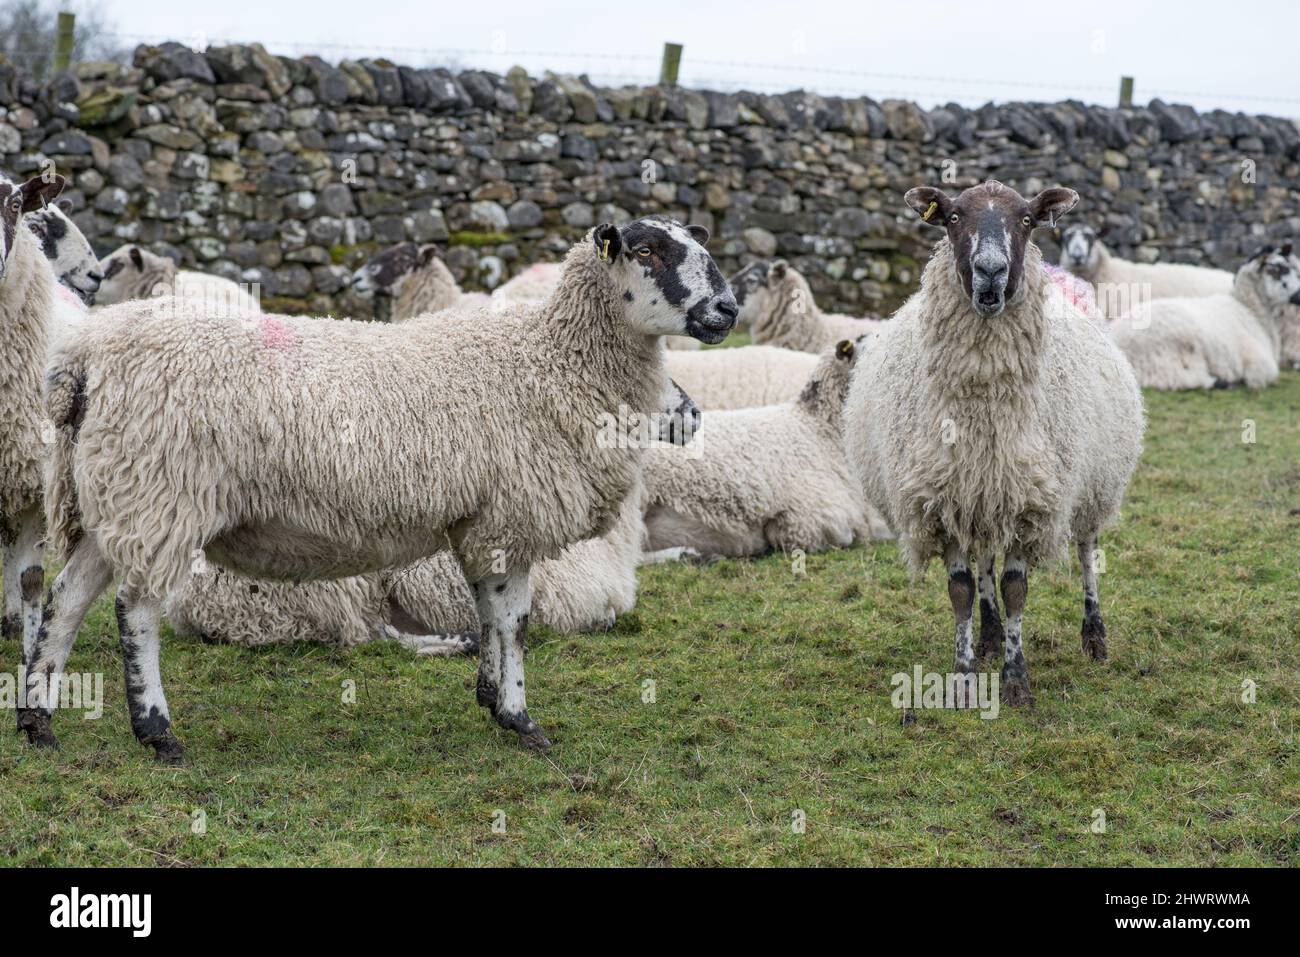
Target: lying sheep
414, 281
131, 272
992, 415
262, 443
741, 378
428, 606
778, 307
28, 293
75, 264
1215, 341
1122, 285
762, 479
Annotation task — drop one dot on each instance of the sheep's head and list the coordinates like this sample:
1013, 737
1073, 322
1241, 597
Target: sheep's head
122, 272
1080, 250
384, 273
17, 200
749, 286
988, 227
665, 280
67, 249
1275, 274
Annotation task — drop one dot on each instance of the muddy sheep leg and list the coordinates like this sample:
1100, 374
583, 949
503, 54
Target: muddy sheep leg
503, 602
1094, 630
991, 636
138, 620
24, 577
1015, 589
82, 580
961, 592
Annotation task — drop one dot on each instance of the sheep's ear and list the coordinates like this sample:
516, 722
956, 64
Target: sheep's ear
845, 349
932, 205
1286, 250
38, 191
1051, 204
428, 254
608, 240
137, 258
699, 234
778, 269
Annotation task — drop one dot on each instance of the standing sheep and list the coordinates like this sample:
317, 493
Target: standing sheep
742, 378
1122, 285
1214, 341
70, 254
778, 307
27, 297
1289, 334
992, 415
762, 479
131, 272
262, 442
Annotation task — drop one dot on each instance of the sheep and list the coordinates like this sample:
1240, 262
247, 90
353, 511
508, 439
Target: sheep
1289, 333
27, 305
261, 444
74, 261
414, 280
778, 307
741, 378
130, 272
1214, 341
535, 283
762, 479
428, 606
993, 415
1122, 285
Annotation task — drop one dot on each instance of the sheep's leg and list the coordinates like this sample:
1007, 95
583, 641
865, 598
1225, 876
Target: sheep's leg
678, 553
438, 646
24, 577
990, 620
1015, 589
82, 580
503, 602
138, 620
961, 592
1094, 630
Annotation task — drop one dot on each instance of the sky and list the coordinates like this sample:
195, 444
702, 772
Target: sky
1194, 52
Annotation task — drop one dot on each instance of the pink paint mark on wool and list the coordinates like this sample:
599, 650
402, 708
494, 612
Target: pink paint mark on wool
69, 296
277, 335
1079, 292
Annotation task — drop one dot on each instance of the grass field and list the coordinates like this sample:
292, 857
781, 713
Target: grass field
771, 698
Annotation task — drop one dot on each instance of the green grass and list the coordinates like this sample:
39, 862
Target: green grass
772, 695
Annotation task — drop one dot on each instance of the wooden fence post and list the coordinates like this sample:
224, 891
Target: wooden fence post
1126, 91
672, 60
63, 45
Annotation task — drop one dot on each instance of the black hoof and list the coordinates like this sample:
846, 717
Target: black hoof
1015, 687
1094, 638
167, 749
37, 725
486, 694
530, 732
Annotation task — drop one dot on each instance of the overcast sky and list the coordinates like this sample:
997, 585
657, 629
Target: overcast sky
1204, 53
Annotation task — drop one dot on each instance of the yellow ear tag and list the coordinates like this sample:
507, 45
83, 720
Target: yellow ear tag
930, 212
604, 253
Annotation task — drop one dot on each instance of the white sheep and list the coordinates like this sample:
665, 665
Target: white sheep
777, 306
993, 415
1214, 341
70, 254
1289, 333
741, 378
131, 272
1122, 285
533, 284
264, 444
414, 280
760, 479
427, 606
28, 294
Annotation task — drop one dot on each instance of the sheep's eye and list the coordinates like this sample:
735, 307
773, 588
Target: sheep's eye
1027, 221
16, 205
953, 218
643, 251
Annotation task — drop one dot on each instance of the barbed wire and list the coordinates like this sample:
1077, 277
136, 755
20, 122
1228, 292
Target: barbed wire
953, 86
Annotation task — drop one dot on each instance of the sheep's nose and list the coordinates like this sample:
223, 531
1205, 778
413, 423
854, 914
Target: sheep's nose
95, 276
728, 308
991, 274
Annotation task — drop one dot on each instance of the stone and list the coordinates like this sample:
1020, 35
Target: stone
171, 61
524, 214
